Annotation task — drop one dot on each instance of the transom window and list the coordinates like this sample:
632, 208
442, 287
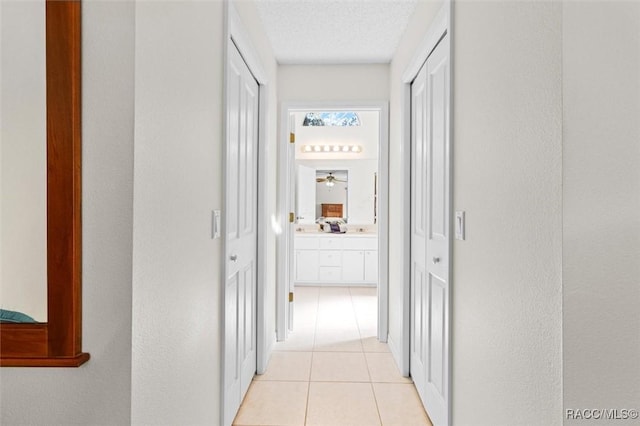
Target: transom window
333, 118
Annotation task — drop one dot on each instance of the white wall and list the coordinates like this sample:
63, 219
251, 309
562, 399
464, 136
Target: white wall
506, 286
601, 224
507, 176
176, 284
333, 82
99, 392
178, 182
23, 164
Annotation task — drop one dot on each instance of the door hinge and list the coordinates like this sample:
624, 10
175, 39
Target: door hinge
292, 217
290, 296
292, 138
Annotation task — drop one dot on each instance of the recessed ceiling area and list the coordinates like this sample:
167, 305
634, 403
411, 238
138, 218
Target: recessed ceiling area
335, 32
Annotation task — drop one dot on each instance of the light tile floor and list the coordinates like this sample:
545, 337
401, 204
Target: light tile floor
332, 370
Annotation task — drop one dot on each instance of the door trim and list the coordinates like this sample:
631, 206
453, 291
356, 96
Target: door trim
236, 34
441, 25
285, 203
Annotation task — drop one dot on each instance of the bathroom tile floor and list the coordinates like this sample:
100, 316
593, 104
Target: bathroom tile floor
332, 370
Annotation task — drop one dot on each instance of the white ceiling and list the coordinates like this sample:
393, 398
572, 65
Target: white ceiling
334, 31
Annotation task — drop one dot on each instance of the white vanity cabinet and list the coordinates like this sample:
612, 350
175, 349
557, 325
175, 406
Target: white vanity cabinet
353, 269
306, 260
336, 259
371, 265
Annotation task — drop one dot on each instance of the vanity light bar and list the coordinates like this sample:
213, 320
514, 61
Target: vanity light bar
331, 148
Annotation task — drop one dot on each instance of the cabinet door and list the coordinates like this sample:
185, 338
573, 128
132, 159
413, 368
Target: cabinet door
371, 266
353, 265
329, 258
329, 274
306, 265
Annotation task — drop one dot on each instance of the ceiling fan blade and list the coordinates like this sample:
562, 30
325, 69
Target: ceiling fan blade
320, 179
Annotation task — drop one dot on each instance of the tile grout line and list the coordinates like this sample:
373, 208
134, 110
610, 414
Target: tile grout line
373, 392
313, 346
315, 328
306, 407
375, 399
353, 307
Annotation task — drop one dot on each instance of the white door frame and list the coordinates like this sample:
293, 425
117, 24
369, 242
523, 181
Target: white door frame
236, 34
440, 26
286, 205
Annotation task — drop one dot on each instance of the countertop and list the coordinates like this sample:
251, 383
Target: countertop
332, 234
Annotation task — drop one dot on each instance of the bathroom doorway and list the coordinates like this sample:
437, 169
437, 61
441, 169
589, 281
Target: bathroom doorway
333, 181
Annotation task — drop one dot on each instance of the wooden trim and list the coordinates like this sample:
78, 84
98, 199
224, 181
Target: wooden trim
64, 227
58, 342
75, 361
23, 340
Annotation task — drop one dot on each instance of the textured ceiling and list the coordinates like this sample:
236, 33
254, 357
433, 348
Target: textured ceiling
334, 32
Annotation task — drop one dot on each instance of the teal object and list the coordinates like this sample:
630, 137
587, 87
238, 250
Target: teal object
15, 317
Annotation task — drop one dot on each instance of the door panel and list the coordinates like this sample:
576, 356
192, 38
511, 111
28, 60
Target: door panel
436, 152
231, 371
429, 358
418, 362
241, 233
436, 336
306, 195
248, 307
418, 359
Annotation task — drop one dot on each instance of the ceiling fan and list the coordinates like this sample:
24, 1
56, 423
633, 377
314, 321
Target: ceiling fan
330, 180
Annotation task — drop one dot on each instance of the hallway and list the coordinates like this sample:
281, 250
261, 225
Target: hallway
332, 370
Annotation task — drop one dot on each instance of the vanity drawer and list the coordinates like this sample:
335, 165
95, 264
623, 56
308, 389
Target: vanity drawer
360, 243
305, 243
330, 258
329, 273
330, 243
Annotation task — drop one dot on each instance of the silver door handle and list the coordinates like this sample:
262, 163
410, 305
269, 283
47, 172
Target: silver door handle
436, 260
234, 257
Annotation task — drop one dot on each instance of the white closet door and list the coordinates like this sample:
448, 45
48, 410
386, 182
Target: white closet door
419, 291
241, 234
430, 211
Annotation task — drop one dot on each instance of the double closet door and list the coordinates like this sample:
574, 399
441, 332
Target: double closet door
430, 212
241, 202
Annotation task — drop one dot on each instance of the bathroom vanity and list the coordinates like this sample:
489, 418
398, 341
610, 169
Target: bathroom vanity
336, 259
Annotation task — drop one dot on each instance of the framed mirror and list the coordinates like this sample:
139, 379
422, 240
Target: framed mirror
58, 341
332, 194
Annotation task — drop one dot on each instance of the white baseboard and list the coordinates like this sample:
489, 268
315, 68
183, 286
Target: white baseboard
397, 354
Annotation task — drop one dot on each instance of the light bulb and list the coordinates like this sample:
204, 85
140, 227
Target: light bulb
317, 148
336, 148
308, 148
345, 148
326, 148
